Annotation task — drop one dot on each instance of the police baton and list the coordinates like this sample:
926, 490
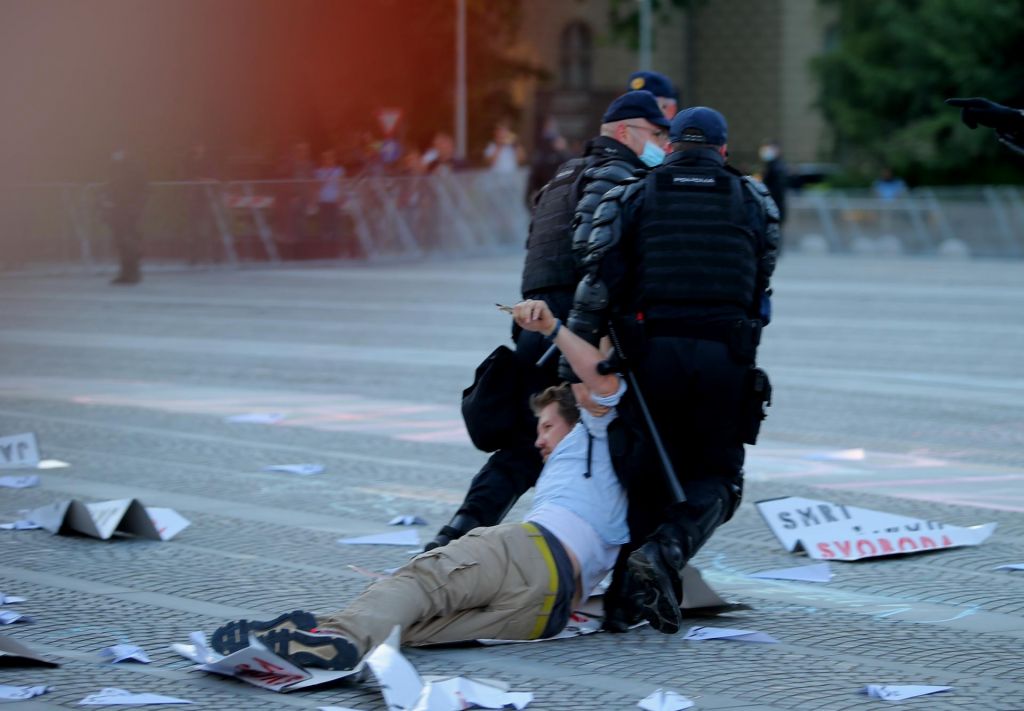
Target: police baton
666, 464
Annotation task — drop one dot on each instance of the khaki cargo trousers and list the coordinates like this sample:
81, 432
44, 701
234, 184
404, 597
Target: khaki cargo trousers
498, 582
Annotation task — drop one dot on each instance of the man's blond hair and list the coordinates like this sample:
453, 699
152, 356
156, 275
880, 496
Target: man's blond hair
560, 394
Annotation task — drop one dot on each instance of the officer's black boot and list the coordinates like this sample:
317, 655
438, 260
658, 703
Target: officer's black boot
657, 590
460, 525
621, 608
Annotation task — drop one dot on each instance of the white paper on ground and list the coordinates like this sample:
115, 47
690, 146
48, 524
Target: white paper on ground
829, 531
9, 618
704, 633
19, 482
52, 464
408, 520
662, 700
10, 599
1011, 566
123, 652
260, 418
19, 451
580, 623
300, 469
18, 693
121, 697
459, 693
898, 692
391, 538
399, 682
22, 525
256, 665
817, 573
167, 522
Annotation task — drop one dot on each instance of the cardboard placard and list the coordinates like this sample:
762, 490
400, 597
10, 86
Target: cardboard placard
101, 519
20, 451
829, 531
15, 654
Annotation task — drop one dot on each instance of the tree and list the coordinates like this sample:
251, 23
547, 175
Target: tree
883, 86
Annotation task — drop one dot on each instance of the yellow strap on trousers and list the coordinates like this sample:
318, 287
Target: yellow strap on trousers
552, 594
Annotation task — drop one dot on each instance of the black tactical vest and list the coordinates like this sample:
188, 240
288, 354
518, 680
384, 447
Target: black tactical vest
549, 260
694, 243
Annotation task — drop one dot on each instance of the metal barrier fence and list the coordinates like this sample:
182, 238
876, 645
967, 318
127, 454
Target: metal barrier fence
239, 221
975, 221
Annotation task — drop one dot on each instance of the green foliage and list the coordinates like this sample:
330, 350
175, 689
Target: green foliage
882, 88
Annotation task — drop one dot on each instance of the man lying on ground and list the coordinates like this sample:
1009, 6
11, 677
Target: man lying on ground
511, 581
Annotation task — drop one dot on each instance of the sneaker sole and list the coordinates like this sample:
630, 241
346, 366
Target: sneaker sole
235, 635
658, 603
308, 649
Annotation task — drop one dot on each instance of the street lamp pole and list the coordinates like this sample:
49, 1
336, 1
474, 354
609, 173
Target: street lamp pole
460, 79
645, 35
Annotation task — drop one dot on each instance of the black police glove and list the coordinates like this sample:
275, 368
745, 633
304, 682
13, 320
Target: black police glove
982, 112
456, 528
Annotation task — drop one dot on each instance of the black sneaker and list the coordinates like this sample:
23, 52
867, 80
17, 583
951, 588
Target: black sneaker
322, 650
656, 588
233, 636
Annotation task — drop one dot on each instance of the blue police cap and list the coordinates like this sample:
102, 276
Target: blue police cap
635, 104
707, 126
657, 84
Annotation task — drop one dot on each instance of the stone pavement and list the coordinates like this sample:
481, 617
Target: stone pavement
916, 362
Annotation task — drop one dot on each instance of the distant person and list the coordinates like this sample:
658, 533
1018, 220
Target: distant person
552, 150
513, 581
659, 85
328, 177
123, 200
299, 168
888, 186
199, 240
440, 157
504, 154
774, 174
1007, 122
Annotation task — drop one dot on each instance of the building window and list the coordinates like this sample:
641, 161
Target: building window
575, 51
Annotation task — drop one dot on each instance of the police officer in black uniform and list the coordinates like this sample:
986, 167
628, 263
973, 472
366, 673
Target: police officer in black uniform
632, 132
677, 270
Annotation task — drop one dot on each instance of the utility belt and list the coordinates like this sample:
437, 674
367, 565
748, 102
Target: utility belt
741, 335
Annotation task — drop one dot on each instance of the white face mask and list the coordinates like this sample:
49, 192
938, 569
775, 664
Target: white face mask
652, 154
768, 153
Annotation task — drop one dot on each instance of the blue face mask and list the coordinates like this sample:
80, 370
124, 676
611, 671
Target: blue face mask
652, 155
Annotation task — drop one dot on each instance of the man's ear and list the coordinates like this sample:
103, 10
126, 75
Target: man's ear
724, 150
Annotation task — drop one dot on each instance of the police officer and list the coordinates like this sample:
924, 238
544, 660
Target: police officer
633, 131
1007, 122
662, 88
677, 270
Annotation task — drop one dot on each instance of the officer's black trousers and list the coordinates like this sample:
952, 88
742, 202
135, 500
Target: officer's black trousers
695, 391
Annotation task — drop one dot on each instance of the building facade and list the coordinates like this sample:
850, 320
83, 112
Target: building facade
750, 59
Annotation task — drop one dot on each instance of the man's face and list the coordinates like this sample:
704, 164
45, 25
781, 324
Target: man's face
635, 132
668, 106
551, 429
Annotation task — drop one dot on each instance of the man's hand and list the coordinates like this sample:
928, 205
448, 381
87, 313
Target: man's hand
982, 112
534, 316
582, 394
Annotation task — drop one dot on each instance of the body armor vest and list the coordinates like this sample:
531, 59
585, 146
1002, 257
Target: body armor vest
694, 243
549, 259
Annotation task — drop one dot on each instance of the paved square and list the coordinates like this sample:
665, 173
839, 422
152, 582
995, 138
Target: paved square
898, 387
